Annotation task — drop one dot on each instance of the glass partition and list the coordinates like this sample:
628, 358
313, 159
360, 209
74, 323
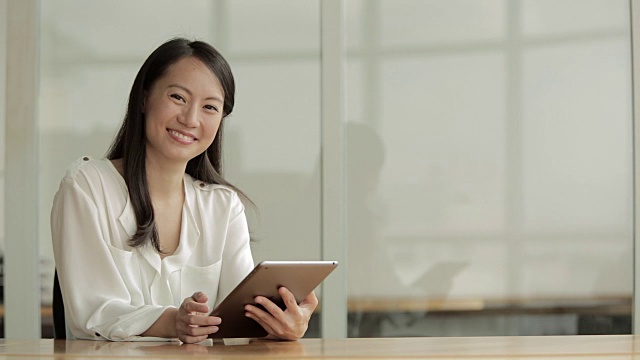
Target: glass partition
489, 166
91, 52
489, 148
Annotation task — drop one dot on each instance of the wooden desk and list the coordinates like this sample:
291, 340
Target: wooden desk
539, 348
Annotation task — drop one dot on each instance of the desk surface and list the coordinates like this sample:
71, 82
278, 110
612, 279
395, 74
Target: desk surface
533, 347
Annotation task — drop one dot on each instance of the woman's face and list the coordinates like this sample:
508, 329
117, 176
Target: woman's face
183, 110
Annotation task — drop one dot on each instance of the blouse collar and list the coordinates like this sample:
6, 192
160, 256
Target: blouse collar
189, 232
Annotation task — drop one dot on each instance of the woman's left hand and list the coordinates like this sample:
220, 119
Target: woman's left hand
289, 324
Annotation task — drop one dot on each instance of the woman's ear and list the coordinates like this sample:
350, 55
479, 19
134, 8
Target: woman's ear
144, 101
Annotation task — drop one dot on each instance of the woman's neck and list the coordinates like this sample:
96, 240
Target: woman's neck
165, 180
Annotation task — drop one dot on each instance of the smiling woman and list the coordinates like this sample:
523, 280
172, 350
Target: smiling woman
152, 237
183, 112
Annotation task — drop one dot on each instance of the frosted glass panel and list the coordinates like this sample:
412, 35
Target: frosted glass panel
577, 143
274, 27
91, 52
269, 89
489, 170
424, 23
274, 154
116, 31
572, 17
420, 23
446, 146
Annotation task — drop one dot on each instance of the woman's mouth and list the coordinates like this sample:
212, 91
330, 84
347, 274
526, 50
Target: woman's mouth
182, 137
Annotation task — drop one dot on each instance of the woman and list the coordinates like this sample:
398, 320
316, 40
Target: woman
147, 241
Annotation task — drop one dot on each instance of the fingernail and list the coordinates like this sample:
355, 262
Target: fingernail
247, 314
258, 299
215, 329
247, 307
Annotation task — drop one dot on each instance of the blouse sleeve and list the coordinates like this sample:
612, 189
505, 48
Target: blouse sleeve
96, 300
237, 260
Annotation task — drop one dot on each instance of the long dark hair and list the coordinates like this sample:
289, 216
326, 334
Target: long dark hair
130, 141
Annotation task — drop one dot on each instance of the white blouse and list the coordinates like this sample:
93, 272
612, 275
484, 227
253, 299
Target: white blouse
116, 292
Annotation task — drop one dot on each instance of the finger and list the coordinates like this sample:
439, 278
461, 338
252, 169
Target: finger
264, 318
270, 306
310, 301
297, 312
192, 339
200, 297
288, 298
192, 306
265, 325
200, 320
293, 312
187, 330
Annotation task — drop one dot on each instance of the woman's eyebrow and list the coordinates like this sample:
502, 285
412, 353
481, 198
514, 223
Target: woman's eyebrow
189, 92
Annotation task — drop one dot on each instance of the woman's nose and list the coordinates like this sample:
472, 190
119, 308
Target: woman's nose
189, 116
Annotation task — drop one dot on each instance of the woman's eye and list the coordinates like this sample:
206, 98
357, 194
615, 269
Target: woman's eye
177, 97
211, 107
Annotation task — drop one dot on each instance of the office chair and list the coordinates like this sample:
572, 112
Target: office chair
59, 327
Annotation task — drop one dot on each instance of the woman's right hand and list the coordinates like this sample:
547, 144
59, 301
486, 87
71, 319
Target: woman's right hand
193, 323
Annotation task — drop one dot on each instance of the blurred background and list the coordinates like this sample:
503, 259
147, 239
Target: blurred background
488, 152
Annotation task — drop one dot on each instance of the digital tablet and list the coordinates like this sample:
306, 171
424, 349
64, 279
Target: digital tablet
300, 277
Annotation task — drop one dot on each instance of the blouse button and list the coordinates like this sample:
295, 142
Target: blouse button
85, 158
201, 184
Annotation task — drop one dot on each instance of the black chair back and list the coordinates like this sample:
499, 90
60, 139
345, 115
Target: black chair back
59, 327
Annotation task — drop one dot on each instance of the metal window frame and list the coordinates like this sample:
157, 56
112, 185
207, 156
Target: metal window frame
333, 142
22, 283
635, 65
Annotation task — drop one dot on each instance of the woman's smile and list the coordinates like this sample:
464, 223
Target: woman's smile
181, 137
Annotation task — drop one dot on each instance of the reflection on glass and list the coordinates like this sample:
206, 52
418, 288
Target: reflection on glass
489, 168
